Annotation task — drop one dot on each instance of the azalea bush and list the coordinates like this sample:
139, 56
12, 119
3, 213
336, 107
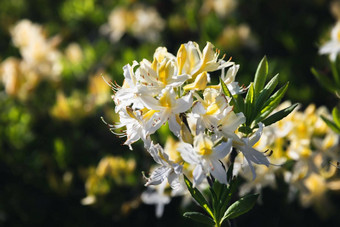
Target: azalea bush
210, 123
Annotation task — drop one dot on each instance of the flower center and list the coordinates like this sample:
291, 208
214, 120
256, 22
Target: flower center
165, 100
205, 147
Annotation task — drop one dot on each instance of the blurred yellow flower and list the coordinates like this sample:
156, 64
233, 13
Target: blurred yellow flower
17, 81
69, 108
222, 7
234, 37
39, 53
142, 22
74, 53
109, 168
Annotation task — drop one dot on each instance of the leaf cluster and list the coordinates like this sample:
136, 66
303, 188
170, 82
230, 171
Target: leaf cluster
260, 100
220, 208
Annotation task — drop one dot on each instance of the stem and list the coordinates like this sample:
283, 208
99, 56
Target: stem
210, 181
217, 224
233, 155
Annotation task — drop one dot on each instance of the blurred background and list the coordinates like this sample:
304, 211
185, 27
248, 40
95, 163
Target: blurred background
59, 163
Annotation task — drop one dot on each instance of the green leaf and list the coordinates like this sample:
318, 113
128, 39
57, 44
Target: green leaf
325, 81
218, 188
227, 194
279, 115
266, 92
331, 124
240, 102
228, 93
217, 191
261, 75
197, 195
241, 206
336, 116
225, 88
199, 218
249, 104
272, 103
245, 129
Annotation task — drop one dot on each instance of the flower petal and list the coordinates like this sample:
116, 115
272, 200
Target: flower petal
218, 171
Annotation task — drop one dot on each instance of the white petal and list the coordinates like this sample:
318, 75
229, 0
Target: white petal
198, 108
257, 135
174, 180
198, 175
329, 47
187, 153
150, 102
158, 175
255, 156
174, 126
218, 171
251, 168
183, 104
223, 149
179, 80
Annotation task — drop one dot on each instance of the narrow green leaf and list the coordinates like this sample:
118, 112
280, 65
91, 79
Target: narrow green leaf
218, 188
214, 200
336, 116
241, 206
249, 104
240, 102
250, 94
197, 195
261, 75
324, 81
266, 92
228, 93
196, 216
245, 129
331, 124
225, 88
272, 103
227, 194
279, 115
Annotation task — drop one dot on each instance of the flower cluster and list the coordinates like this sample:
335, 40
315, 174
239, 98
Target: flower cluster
175, 90
110, 167
40, 60
304, 140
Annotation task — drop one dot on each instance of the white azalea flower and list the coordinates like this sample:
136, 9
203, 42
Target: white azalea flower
245, 145
207, 112
169, 107
228, 124
160, 74
192, 61
127, 94
139, 125
206, 158
155, 195
168, 169
332, 47
229, 79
